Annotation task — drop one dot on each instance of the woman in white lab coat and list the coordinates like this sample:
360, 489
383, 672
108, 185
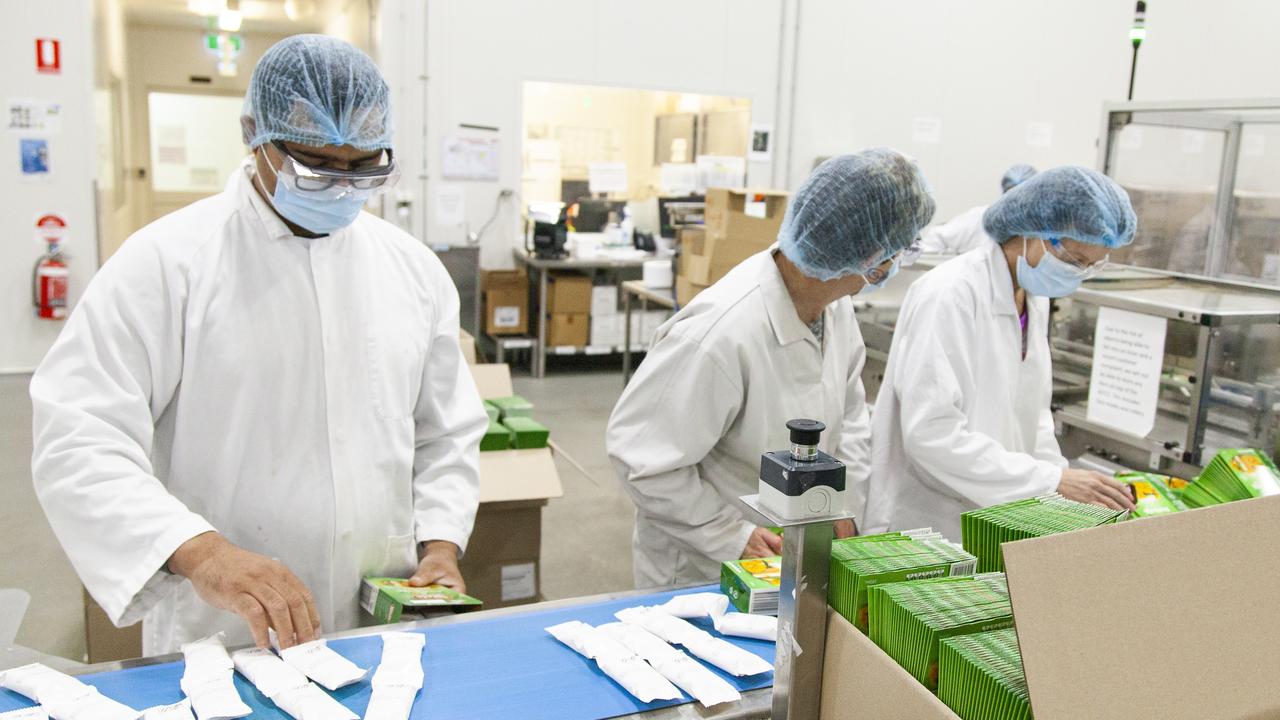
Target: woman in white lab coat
775, 339
964, 232
260, 399
962, 420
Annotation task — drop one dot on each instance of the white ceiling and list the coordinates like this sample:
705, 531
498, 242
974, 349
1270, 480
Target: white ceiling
259, 15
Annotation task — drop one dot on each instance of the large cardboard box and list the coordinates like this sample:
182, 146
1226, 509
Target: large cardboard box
692, 239
686, 290
739, 224
506, 301
569, 329
468, 344
502, 565
568, 293
1169, 617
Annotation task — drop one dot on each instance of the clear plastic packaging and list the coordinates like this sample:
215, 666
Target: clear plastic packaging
696, 605
615, 660
686, 673
319, 662
398, 678
309, 702
724, 655
62, 696
208, 680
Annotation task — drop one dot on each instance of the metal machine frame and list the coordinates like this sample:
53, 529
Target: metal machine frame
1226, 116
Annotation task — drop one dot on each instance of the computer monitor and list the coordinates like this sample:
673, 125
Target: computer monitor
593, 215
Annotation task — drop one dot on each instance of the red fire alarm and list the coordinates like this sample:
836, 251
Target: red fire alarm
48, 56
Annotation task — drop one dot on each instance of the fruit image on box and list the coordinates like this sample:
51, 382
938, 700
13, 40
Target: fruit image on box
527, 433
387, 598
752, 585
497, 437
1154, 494
1233, 475
512, 406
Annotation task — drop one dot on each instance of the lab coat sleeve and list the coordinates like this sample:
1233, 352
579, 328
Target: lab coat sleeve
1047, 447
932, 353
855, 433
449, 420
95, 398
674, 411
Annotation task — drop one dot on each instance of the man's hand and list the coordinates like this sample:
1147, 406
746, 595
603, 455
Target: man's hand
763, 543
261, 590
845, 529
439, 566
1091, 487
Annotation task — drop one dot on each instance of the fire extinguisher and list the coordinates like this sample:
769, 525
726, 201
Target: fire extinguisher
49, 284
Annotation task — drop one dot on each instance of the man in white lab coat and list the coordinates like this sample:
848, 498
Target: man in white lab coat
775, 339
962, 420
261, 398
964, 232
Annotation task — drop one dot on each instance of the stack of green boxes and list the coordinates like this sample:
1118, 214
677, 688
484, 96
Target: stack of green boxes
980, 677
860, 563
1233, 475
1154, 494
511, 425
908, 620
984, 531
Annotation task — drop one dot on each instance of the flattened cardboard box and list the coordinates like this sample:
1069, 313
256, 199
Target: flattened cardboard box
1171, 617
502, 565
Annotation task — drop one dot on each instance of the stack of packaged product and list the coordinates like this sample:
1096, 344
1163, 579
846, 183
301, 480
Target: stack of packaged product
984, 531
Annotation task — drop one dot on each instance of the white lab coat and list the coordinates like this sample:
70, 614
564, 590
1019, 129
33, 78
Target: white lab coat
962, 421
720, 382
306, 398
958, 235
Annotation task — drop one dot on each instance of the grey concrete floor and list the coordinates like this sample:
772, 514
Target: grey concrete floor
586, 535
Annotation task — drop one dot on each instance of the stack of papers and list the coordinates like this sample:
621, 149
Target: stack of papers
1233, 475
859, 563
983, 531
910, 619
981, 677
1153, 494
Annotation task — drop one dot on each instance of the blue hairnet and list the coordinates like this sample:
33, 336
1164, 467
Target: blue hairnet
855, 211
1071, 202
318, 90
1016, 175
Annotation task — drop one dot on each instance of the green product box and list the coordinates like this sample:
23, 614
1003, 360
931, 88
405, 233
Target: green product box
492, 411
752, 585
497, 437
387, 598
528, 433
511, 407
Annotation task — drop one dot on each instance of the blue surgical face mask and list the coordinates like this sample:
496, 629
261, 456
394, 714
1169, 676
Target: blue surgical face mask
1052, 278
322, 211
869, 287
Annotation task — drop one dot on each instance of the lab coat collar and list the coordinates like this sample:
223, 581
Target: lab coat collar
787, 326
1001, 282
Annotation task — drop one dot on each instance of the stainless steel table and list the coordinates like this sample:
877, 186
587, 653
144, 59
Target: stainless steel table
540, 267
754, 703
636, 288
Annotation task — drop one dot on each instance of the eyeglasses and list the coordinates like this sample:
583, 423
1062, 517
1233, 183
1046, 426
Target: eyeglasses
1089, 269
901, 259
317, 179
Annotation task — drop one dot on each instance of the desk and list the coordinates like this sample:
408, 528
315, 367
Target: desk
540, 267
660, 297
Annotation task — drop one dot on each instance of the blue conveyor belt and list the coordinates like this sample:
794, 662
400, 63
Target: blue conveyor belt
505, 667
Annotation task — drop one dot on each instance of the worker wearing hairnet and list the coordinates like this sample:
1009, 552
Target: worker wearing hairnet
964, 232
775, 339
261, 398
962, 420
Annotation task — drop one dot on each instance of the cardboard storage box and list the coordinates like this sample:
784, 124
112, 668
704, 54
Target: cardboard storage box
687, 290
502, 564
568, 329
739, 224
506, 301
1170, 617
692, 239
568, 293
468, 344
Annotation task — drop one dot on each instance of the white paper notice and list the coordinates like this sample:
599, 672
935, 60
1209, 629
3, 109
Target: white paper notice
35, 116
926, 130
451, 205
721, 171
1128, 355
1039, 134
607, 177
679, 178
470, 158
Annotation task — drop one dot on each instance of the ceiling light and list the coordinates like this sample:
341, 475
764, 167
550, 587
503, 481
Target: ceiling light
230, 18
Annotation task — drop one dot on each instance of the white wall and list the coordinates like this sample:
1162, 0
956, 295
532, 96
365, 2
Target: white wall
68, 192
988, 68
478, 53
